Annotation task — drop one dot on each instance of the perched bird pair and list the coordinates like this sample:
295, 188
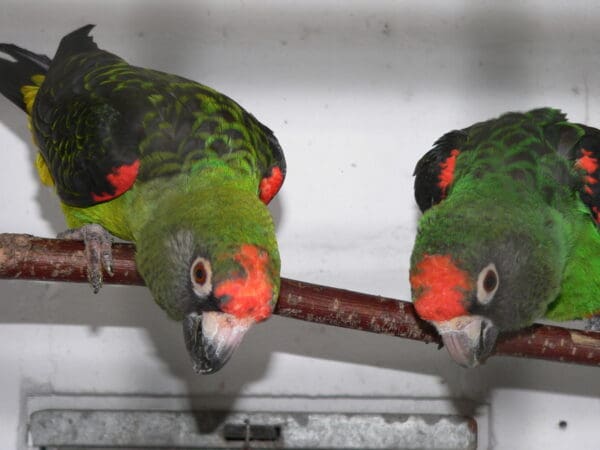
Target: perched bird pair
508, 235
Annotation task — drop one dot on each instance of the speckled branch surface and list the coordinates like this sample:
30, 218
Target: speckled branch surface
28, 257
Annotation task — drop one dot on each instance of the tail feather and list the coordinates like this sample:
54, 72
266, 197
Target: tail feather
16, 74
78, 41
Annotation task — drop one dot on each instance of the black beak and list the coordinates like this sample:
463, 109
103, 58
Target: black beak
212, 337
469, 339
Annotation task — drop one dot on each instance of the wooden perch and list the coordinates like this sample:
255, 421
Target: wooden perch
28, 257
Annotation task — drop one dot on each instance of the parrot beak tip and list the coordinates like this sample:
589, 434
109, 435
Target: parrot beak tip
470, 340
211, 338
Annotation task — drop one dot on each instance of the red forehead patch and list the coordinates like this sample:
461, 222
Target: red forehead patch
439, 288
250, 296
269, 186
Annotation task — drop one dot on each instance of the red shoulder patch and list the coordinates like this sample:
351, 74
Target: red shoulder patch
439, 288
587, 162
446, 176
121, 178
269, 186
589, 165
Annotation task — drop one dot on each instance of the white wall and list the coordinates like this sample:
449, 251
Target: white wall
356, 92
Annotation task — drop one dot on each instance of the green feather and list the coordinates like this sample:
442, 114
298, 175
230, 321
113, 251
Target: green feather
579, 296
220, 211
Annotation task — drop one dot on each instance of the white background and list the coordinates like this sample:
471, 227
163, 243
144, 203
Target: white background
356, 92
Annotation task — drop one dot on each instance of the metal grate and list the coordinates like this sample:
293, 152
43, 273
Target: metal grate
122, 429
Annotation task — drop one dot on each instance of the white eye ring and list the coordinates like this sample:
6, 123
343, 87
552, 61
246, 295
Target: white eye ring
201, 277
487, 284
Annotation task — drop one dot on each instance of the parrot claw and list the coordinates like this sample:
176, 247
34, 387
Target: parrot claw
592, 323
98, 251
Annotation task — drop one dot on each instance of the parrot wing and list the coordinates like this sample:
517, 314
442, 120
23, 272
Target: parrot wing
94, 152
434, 173
274, 168
580, 144
91, 155
102, 124
586, 158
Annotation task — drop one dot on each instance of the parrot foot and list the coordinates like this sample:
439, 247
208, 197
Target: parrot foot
98, 251
592, 323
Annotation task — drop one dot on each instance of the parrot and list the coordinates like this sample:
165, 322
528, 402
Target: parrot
177, 168
509, 230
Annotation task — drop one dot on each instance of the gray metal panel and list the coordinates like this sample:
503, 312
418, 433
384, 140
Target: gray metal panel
160, 429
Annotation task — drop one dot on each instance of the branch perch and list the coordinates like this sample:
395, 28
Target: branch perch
28, 257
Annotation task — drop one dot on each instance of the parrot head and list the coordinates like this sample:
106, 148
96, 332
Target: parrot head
482, 270
216, 270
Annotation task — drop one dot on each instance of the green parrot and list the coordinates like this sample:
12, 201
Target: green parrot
174, 166
509, 232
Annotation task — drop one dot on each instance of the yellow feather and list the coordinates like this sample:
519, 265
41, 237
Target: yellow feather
38, 79
30, 91
111, 215
43, 170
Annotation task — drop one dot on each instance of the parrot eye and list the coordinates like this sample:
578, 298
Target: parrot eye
487, 284
490, 281
201, 274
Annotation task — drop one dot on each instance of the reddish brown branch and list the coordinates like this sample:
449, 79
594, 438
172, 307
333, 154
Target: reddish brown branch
27, 257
